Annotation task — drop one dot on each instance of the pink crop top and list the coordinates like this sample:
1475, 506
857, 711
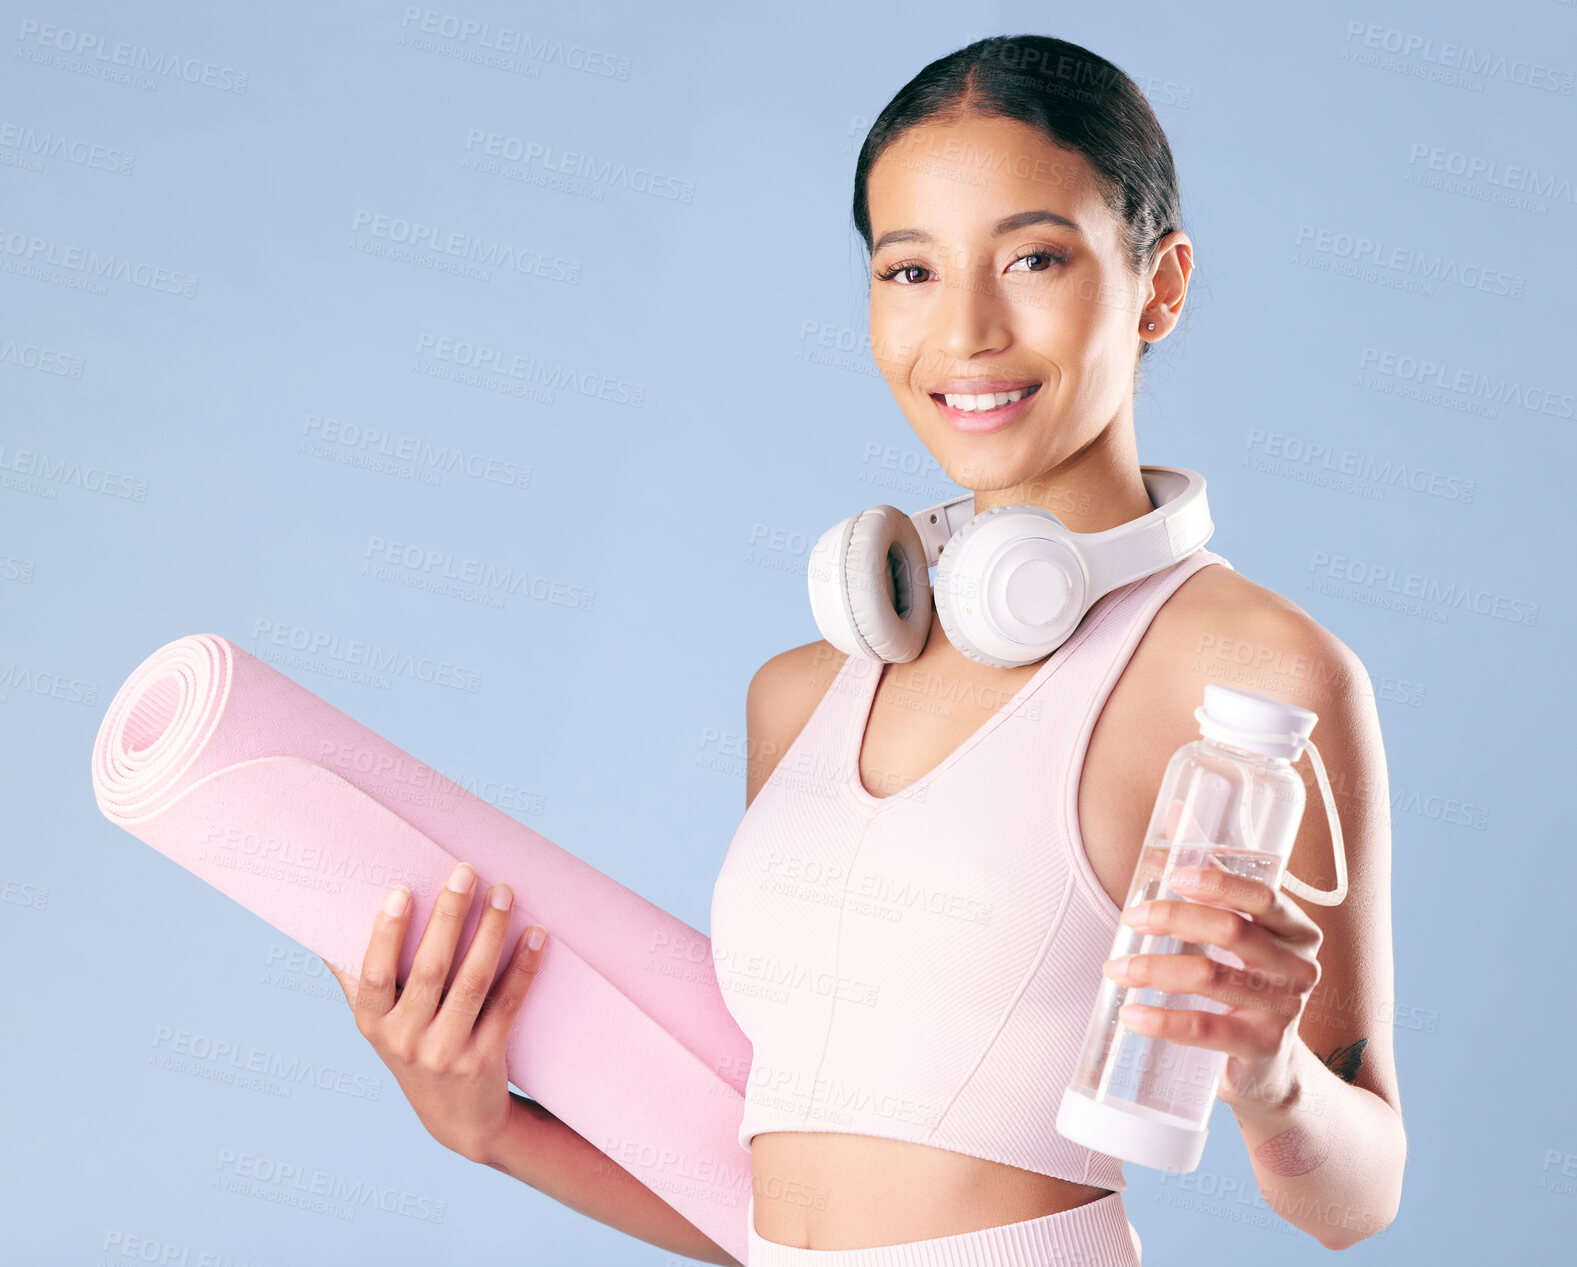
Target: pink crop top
922, 966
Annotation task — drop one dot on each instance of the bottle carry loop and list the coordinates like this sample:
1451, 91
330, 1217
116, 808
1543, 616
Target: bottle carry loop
1290, 882
1323, 897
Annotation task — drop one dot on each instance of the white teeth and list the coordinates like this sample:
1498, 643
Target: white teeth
990, 400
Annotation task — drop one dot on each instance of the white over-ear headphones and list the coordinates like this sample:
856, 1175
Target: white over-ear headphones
1012, 583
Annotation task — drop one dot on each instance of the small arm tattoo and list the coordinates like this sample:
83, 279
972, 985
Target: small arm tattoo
1344, 1061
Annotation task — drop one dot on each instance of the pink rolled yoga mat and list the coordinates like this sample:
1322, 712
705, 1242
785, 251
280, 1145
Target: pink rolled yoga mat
306, 818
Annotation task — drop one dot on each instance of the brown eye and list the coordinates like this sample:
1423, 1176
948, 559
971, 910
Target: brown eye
1047, 259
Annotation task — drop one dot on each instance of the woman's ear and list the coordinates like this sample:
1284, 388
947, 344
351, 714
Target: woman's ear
1167, 286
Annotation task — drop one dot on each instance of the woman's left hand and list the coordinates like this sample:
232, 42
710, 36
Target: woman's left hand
1277, 944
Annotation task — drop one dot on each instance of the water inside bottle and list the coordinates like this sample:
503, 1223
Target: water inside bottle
1172, 1079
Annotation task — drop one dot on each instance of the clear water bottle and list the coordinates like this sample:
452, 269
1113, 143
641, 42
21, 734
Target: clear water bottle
1231, 800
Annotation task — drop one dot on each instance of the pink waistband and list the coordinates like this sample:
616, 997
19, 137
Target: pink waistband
1096, 1234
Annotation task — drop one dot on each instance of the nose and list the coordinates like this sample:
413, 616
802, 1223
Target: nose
971, 314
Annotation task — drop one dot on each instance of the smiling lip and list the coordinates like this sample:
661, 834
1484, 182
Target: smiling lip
978, 422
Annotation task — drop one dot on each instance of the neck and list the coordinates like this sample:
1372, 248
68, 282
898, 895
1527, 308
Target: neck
1092, 489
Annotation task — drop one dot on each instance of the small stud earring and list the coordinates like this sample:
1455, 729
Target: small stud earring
1149, 325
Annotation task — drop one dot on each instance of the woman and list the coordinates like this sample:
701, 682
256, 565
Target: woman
1020, 207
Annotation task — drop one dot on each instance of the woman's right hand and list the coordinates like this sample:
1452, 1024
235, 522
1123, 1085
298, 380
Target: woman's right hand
446, 1050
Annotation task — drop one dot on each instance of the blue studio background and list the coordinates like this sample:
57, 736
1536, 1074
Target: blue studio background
1384, 265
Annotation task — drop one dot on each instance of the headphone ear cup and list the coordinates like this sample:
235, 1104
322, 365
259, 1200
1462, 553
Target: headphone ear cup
869, 586
952, 588
824, 573
1006, 594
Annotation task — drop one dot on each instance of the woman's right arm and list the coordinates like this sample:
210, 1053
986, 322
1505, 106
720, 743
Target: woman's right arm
446, 1050
543, 1153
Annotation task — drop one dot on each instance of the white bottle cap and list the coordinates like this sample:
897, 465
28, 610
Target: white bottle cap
1247, 719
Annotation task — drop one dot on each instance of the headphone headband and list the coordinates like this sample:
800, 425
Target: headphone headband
1179, 525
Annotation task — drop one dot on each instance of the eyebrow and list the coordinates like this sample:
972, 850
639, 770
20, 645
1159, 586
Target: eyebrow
1006, 225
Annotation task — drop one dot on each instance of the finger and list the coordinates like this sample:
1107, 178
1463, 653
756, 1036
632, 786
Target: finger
1265, 905
1254, 945
498, 1013
374, 994
1249, 1036
1176, 974
435, 952
451, 1028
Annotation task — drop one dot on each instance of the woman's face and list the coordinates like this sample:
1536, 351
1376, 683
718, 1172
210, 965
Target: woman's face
996, 267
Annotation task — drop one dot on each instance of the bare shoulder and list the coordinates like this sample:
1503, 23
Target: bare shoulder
1224, 627
1220, 626
782, 695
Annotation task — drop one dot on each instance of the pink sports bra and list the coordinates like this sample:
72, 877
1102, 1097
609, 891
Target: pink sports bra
921, 966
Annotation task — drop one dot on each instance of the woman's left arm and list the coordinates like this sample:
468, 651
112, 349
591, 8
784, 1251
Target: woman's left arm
1311, 1076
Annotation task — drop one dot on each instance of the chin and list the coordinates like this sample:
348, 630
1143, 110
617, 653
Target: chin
989, 462
970, 472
